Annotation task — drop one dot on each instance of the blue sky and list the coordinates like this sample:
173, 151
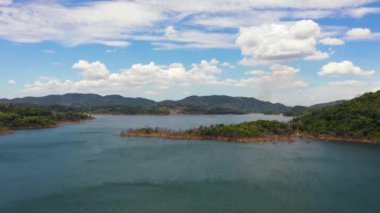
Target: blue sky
294, 52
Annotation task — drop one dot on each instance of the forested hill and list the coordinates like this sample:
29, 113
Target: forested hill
300, 110
216, 104
222, 103
79, 100
357, 118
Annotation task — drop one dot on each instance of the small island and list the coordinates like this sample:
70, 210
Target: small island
357, 120
17, 117
256, 131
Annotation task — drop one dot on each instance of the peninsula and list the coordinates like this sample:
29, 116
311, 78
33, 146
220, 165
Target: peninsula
357, 120
16, 117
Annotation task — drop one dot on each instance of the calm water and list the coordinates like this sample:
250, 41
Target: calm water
89, 168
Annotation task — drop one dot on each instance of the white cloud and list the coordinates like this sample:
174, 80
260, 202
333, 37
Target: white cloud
362, 11
343, 68
271, 43
213, 6
108, 23
176, 39
362, 34
140, 78
228, 65
359, 33
92, 71
281, 78
323, 93
256, 72
347, 83
170, 31
331, 41
5, 2
11, 82
317, 56
281, 83
117, 23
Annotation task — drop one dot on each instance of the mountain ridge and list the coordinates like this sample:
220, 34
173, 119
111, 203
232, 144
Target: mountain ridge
211, 104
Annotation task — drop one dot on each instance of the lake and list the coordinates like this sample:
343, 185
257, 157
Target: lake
90, 168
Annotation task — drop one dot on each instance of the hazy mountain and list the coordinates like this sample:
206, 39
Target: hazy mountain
199, 104
299, 110
80, 100
215, 104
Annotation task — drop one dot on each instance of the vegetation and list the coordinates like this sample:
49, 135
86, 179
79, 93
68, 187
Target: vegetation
80, 100
221, 104
130, 110
355, 120
246, 129
115, 104
28, 116
245, 132
296, 111
358, 118
300, 110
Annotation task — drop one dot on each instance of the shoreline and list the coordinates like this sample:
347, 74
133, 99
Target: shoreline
8, 131
180, 135
5, 131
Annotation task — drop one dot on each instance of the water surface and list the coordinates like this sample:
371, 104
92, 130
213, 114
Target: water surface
90, 168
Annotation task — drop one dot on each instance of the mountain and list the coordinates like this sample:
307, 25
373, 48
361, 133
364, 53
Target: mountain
357, 118
115, 104
300, 110
222, 103
80, 100
332, 103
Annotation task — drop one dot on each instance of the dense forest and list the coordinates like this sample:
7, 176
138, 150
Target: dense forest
246, 129
28, 116
358, 118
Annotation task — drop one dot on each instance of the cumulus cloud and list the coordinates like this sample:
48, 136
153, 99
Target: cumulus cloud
331, 41
281, 83
11, 82
278, 42
92, 71
343, 68
138, 77
281, 77
358, 33
142, 78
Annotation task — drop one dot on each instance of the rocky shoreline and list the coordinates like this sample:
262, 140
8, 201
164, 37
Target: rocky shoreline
184, 135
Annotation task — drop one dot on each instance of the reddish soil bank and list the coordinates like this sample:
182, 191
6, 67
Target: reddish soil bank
183, 135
